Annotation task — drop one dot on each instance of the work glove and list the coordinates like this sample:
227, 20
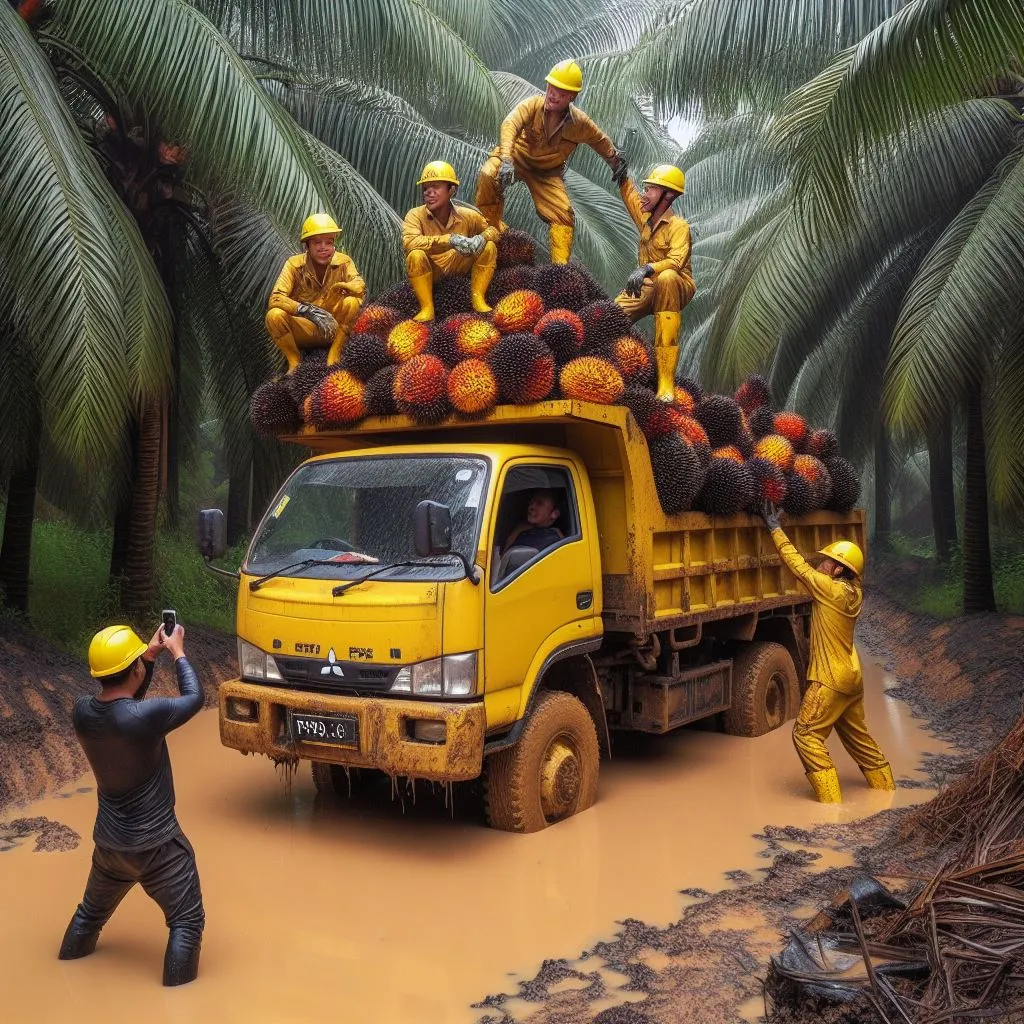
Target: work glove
635, 281
476, 244
620, 169
506, 174
461, 244
324, 323
770, 514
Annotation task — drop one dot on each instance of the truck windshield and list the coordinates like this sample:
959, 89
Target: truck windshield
355, 513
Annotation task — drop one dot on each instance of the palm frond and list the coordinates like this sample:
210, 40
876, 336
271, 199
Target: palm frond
1004, 418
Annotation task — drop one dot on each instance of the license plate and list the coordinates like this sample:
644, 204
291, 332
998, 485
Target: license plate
341, 730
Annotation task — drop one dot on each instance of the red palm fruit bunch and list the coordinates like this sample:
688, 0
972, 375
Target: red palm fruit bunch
472, 387
761, 422
728, 488
518, 311
476, 337
421, 389
845, 484
823, 443
777, 450
562, 286
518, 278
685, 401
376, 319
693, 432
729, 451
793, 427
407, 339
523, 367
591, 379
799, 500
692, 388
667, 418
516, 248
451, 296
634, 359
400, 298
753, 393
272, 409
603, 322
364, 354
380, 392
814, 472
720, 416
769, 480
308, 374
562, 331
444, 339
678, 473
642, 403
339, 401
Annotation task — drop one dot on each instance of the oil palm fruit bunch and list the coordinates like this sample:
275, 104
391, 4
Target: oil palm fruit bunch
777, 450
793, 427
692, 388
728, 488
769, 480
761, 422
475, 337
407, 339
753, 393
518, 311
666, 418
421, 389
823, 443
444, 338
400, 298
562, 331
272, 410
451, 296
516, 248
472, 387
799, 500
594, 290
562, 286
519, 278
745, 443
634, 359
685, 400
365, 354
523, 367
817, 476
730, 451
308, 374
845, 484
380, 392
339, 401
691, 431
591, 379
721, 417
603, 322
642, 403
678, 473
376, 319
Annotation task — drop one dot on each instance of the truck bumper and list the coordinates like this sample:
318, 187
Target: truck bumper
386, 737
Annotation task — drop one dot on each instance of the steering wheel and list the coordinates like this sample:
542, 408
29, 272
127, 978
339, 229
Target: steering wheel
332, 544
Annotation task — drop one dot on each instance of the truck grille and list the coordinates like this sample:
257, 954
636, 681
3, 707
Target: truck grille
336, 677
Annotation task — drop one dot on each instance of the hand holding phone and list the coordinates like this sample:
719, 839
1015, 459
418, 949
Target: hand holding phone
170, 617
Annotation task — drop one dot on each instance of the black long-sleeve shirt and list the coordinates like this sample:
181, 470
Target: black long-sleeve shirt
124, 742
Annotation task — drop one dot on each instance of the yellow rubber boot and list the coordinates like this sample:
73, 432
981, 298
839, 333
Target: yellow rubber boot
879, 778
826, 786
560, 242
480, 277
289, 349
423, 288
346, 314
667, 357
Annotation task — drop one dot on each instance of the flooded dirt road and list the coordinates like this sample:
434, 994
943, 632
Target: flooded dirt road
324, 910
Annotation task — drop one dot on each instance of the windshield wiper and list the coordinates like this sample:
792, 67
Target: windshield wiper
304, 564
342, 587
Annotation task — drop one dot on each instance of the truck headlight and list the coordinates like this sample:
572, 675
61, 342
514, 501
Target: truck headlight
454, 675
255, 665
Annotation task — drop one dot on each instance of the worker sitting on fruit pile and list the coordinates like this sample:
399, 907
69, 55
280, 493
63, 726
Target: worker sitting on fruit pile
317, 297
539, 530
835, 692
442, 240
537, 139
663, 283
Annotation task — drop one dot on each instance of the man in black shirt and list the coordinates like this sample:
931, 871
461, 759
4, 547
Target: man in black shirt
539, 530
137, 835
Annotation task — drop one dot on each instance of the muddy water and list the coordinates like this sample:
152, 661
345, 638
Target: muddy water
338, 910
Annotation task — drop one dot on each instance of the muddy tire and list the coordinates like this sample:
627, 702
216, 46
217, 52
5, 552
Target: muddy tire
332, 780
550, 774
765, 690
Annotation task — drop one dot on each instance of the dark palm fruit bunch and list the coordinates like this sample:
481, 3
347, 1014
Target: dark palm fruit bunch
524, 368
642, 403
753, 393
728, 488
408, 338
678, 473
761, 422
380, 392
272, 409
421, 389
696, 435
634, 359
745, 443
769, 480
339, 401
303, 382
603, 322
777, 450
365, 354
399, 296
444, 339
814, 472
376, 319
591, 379
511, 279
793, 427
518, 311
594, 290
691, 386
823, 443
845, 484
516, 248
667, 418
451, 296
562, 286
721, 417
472, 387
799, 500
562, 331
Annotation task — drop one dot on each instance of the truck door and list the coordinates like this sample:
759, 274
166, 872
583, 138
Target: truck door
541, 588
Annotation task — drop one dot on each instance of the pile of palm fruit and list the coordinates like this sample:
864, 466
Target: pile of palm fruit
553, 333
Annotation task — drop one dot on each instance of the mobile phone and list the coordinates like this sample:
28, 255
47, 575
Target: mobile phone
170, 621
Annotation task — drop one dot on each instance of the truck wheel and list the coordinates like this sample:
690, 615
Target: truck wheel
332, 779
764, 686
550, 774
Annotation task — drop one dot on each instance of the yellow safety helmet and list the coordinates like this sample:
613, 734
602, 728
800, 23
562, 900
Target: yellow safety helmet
567, 75
438, 170
113, 650
318, 224
846, 553
667, 176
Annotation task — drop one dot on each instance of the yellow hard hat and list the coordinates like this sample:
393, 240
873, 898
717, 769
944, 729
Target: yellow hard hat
113, 650
438, 170
667, 176
845, 552
566, 74
319, 224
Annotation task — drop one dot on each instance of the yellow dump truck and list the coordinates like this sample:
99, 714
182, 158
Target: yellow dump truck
391, 616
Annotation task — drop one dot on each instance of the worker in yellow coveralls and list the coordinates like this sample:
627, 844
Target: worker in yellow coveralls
537, 139
663, 283
317, 297
442, 240
835, 694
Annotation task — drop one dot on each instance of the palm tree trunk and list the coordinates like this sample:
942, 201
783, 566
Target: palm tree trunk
979, 593
238, 504
140, 583
16, 547
883, 486
942, 493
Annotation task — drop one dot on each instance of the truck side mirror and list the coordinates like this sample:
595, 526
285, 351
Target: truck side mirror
432, 529
211, 533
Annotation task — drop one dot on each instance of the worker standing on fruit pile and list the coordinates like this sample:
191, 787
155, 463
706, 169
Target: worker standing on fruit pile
537, 139
442, 240
317, 297
663, 282
835, 694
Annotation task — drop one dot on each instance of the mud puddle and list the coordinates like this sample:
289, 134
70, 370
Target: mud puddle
336, 910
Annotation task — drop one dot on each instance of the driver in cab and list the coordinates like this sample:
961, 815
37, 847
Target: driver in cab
539, 530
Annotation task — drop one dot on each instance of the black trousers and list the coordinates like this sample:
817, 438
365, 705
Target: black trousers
167, 873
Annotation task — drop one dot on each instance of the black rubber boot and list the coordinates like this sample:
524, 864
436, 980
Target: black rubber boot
77, 943
181, 960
